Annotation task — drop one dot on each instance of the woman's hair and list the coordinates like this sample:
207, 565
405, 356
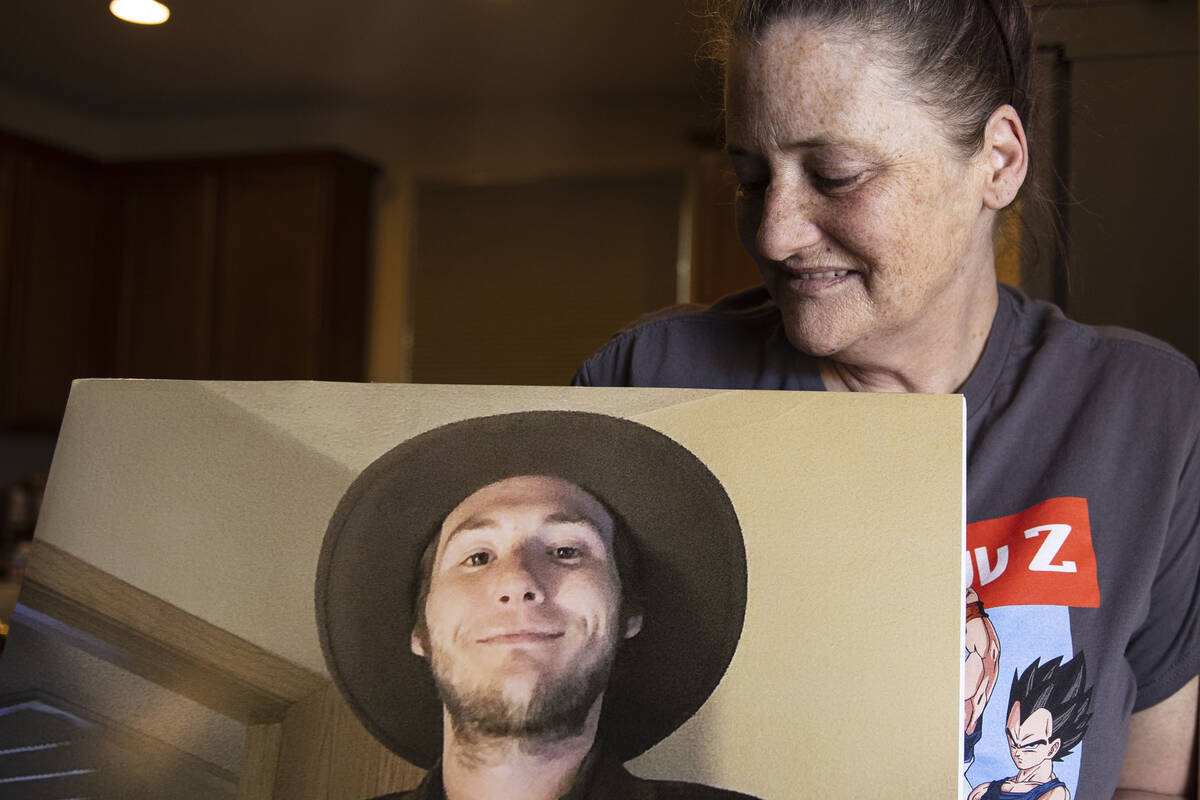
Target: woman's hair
963, 58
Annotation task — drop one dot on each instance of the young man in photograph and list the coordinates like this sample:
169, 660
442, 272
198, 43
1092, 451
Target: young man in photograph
525, 601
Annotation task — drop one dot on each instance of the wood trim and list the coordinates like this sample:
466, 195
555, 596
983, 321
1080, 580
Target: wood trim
330, 158
260, 762
326, 156
158, 641
8, 201
326, 754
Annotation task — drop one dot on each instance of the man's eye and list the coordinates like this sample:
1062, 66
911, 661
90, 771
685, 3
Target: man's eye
477, 559
566, 552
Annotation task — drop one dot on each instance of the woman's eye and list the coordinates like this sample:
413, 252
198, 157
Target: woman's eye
566, 552
828, 184
477, 559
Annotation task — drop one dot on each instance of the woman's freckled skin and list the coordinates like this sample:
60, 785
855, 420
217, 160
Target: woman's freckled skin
809, 104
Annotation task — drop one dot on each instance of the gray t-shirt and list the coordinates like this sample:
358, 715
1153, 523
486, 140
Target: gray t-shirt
1083, 506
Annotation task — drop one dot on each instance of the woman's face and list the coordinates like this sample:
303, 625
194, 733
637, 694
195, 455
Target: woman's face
867, 225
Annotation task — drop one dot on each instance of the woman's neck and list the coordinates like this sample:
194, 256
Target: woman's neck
936, 356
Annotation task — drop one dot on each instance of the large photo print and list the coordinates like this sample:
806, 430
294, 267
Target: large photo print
328, 589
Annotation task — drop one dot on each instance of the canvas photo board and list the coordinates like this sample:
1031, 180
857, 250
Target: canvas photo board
212, 499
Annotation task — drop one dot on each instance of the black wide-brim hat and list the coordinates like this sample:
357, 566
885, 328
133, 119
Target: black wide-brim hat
689, 544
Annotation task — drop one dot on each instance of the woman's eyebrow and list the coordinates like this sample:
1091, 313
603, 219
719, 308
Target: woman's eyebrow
802, 144
798, 144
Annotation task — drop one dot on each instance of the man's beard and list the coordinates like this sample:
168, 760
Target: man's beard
557, 708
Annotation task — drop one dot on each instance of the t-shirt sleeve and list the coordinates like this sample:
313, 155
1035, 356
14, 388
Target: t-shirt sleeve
608, 367
582, 378
1165, 652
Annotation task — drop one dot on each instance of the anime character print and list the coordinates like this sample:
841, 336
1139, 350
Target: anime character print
1026, 572
980, 670
1049, 706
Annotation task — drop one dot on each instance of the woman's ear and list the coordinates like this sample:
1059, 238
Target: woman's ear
1006, 157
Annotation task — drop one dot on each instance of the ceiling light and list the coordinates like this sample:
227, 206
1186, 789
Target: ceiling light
143, 12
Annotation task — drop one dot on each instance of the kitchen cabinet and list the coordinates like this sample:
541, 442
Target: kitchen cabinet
56, 318
250, 267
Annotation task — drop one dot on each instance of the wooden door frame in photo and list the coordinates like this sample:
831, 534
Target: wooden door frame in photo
302, 741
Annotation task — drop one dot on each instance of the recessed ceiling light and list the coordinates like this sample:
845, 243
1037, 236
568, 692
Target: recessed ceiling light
143, 12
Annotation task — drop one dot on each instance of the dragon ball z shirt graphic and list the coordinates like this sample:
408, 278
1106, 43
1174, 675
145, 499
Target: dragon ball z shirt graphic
1025, 572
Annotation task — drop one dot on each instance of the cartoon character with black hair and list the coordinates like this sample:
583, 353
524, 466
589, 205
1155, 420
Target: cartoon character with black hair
1049, 710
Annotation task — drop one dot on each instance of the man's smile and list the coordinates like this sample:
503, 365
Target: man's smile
521, 637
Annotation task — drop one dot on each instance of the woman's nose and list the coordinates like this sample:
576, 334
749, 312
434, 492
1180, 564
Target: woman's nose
787, 223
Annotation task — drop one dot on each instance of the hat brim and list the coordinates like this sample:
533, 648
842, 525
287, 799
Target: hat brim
689, 543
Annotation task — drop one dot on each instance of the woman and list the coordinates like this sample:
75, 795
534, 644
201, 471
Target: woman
875, 143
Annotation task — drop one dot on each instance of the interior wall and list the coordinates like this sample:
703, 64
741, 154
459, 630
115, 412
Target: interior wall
1131, 127
518, 283
469, 146
54, 124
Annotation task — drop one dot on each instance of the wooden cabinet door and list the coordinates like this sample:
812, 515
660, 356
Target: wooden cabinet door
58, 294
244, 268
241, 267
166, 221
273, 232
291, 278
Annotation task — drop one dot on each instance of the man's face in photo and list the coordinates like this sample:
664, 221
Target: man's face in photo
523, 612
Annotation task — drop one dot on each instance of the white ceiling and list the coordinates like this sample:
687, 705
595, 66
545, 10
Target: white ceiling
228, 55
